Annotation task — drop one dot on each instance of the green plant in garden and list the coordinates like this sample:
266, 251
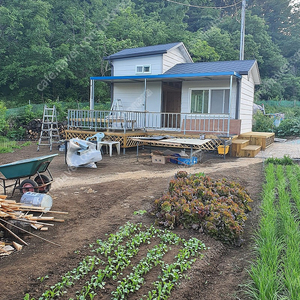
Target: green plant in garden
217, 207
276, 271
114, 255
286, 160
140, 212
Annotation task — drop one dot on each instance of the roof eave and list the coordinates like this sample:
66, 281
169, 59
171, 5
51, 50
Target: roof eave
112, 57
166, 76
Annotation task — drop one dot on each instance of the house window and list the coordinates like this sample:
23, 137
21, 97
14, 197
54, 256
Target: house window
147, 69
210, 101
199, 101
143, 69
139, 69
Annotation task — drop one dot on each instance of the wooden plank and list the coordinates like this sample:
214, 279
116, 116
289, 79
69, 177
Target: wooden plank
263, 139
237, 146
250, 151
17, 246
42, 218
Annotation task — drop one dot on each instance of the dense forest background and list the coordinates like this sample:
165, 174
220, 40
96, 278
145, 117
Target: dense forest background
49, 49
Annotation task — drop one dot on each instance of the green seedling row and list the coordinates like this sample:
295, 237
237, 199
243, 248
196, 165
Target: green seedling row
275, 273
113, 255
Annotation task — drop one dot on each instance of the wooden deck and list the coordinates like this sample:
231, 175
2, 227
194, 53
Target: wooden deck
242, 145
126, 141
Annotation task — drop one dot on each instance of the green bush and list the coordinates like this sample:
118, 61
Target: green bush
3, 121
262, 123
16, 134
216, 207
286, 160
288, 127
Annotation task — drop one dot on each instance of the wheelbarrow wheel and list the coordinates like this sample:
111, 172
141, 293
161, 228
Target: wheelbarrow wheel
28, 185
41, 180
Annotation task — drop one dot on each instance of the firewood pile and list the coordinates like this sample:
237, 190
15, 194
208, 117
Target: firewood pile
17, 219
33, 129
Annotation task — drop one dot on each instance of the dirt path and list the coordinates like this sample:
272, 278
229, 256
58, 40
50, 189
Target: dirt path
71, 180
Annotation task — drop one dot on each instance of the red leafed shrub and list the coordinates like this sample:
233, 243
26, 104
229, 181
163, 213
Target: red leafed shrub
216, 207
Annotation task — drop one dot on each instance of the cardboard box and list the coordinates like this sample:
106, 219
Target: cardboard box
159, 159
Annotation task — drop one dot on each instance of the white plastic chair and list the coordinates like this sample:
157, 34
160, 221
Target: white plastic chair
96, 137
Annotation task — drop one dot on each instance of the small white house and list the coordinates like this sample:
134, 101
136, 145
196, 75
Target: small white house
163, 82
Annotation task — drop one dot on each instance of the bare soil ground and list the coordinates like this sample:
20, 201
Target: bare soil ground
101, 200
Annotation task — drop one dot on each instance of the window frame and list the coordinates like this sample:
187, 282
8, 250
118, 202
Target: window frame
143, 69
136, 69
224, 89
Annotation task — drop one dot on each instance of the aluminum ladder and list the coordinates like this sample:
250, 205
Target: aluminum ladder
117, 105
49, 130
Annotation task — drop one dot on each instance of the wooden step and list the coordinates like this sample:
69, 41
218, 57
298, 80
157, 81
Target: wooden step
237, 145
264, 139
250, 151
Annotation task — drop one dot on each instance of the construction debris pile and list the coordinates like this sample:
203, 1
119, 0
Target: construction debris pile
18, 218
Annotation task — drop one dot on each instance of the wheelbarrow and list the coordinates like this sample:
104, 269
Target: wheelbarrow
31, 167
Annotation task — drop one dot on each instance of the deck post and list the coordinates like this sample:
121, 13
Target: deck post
184, 124
92, 90
145, 103
230, 95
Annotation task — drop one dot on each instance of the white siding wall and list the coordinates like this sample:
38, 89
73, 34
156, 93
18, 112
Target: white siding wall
172, 58
132, 96
246, 106
209, 84
127, 66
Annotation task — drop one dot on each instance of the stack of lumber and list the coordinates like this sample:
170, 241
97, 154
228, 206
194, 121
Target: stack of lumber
12, 213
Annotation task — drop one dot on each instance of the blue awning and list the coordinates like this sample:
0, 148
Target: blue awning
192, 76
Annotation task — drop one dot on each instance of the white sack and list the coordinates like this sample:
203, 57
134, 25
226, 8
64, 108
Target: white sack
86, 157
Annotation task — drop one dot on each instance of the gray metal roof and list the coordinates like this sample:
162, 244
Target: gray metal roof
142, 51
240, 66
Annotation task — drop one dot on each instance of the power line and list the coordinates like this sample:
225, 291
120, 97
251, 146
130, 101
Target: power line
217, 7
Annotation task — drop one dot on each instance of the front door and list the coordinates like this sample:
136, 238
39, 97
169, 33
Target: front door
171, 104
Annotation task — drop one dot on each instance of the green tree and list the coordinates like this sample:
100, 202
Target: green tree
24, 49
221, 41
258, 43
282, 18
201, 52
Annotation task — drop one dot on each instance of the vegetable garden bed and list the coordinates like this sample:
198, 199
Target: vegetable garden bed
276, 272
112, 259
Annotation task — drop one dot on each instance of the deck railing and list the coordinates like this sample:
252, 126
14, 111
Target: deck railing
148, 121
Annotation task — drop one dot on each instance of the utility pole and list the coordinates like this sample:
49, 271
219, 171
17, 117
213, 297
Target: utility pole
242, 43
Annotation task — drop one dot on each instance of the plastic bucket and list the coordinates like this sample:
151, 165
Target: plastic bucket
223, 150
37, 199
